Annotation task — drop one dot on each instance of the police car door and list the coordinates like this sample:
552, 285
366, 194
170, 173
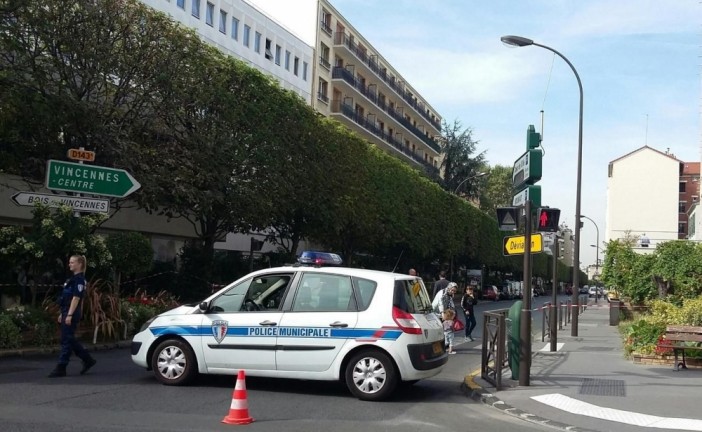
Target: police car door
320, 321
243, 321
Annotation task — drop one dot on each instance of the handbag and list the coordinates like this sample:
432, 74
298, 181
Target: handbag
458, 325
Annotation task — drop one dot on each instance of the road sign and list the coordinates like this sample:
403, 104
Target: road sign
527, 169
89, 179
89, 205
532, 193
515, 245
82, 155
508, 218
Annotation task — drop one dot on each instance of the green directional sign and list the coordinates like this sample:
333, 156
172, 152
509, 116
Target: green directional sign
532, 193
89, 179
527, 169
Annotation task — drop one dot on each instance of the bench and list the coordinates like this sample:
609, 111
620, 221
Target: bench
676, 337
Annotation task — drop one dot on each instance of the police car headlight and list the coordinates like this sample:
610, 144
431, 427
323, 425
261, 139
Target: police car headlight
147, 324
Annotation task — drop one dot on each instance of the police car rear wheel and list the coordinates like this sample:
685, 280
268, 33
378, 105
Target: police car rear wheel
371, 375
174, 363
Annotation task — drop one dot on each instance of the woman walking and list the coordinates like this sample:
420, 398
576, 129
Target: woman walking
467, 303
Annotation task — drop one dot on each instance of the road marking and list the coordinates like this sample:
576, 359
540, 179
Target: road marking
547, 347
576, 406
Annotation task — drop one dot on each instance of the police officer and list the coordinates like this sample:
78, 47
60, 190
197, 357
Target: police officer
70, 302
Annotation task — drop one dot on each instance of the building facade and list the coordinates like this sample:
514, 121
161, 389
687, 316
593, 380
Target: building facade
357, 86
239, 29
645, 193
689, 191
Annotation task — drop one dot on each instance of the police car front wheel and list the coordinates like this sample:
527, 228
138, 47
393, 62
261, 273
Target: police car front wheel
174, 363
371, 375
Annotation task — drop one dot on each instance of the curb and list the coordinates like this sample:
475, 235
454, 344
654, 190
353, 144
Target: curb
474, 391
55, 349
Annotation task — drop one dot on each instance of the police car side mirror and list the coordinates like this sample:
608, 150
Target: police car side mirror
204, 306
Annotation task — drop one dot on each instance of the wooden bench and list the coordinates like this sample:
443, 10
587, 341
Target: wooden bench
676, 337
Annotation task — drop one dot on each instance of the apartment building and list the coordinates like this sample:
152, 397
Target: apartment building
239, 29
359, 88
648, 196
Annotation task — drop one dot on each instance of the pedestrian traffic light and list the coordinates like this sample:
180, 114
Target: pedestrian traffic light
547, 219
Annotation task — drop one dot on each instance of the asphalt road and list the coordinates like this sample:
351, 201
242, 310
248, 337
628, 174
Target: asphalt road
119, 396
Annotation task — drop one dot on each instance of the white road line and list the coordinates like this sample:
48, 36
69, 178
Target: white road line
547, 347
575, 406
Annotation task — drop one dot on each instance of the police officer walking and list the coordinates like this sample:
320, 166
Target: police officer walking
70, 302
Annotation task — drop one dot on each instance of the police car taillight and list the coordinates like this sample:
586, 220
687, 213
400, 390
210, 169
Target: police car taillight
405, 321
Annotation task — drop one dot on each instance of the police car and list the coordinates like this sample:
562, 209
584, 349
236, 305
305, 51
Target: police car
369, 329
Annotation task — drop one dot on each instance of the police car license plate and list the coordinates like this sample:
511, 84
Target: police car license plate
437, 347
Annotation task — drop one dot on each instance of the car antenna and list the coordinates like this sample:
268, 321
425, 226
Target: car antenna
398, 261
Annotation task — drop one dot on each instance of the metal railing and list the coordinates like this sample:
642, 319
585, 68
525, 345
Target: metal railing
494, 351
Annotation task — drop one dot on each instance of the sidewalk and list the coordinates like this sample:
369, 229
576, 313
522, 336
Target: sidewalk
55, 349
589, 385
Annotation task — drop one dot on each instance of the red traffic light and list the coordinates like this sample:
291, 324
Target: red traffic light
547, 219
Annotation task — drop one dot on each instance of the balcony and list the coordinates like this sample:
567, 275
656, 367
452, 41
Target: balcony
349, 78
343, 40
338, 107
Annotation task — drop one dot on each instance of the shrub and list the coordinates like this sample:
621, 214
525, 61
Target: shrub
641, 336
9, 333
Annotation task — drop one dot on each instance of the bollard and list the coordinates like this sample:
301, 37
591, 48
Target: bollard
560, 315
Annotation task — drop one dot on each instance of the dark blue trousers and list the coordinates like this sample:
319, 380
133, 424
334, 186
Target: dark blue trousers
470, 324
69, 344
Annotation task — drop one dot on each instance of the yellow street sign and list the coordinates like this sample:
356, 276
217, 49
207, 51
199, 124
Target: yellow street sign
515, 245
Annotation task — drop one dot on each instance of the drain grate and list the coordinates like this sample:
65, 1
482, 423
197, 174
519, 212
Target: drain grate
602, 387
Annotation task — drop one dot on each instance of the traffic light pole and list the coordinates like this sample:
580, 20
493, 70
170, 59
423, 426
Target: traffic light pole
525, 328
553, 313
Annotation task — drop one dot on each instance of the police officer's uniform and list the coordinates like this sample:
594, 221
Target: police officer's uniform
74, 287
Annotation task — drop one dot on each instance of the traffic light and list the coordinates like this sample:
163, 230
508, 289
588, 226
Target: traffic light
533, 138
547, 219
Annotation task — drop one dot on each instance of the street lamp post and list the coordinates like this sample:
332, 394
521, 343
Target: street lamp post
597, 254
520, 42
480, 174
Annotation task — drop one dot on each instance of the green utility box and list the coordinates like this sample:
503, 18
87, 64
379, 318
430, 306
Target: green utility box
515, 319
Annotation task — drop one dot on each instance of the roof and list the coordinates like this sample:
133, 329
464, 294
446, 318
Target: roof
670, 155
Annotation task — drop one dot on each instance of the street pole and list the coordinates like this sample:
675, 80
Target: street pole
521, 42
597, 256
525, 328
553, 313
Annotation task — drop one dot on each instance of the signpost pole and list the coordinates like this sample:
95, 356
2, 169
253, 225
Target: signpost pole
553, 313
525, 329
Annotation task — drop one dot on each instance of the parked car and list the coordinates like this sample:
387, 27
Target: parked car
491, 293
584, 289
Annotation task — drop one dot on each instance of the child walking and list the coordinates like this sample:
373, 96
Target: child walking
449, 315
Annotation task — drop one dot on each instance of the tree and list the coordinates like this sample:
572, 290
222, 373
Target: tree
677, 269
131, 253
498, 190
459, 161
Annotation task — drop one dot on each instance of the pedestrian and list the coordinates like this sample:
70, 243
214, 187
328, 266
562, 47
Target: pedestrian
70, 303
441, 283
448, 316
444, 299
467, 302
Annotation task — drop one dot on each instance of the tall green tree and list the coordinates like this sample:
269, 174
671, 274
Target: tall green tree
460, 163
497, 190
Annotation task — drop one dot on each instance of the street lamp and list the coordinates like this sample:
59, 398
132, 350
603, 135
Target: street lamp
597, 252
480, 174
520, 42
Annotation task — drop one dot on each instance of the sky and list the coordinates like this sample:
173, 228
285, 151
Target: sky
638, 61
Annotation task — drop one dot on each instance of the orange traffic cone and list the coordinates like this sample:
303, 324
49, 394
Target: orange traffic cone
239, 410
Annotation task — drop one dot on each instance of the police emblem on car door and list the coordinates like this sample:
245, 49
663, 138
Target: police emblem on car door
219, 330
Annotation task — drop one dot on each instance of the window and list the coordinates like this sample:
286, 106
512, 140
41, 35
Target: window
253, 295
247, 32
196, 8
323, 91
326, 22
268, 53
682, 186
324, 293
296, 66
681, 228
681, 207
324, 56
278, 51
304, 71
181, 4
235, 28
257, 42
223, 21
410, 297
209, 14
287, 60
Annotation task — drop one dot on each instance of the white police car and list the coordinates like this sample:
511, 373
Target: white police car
370, 329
